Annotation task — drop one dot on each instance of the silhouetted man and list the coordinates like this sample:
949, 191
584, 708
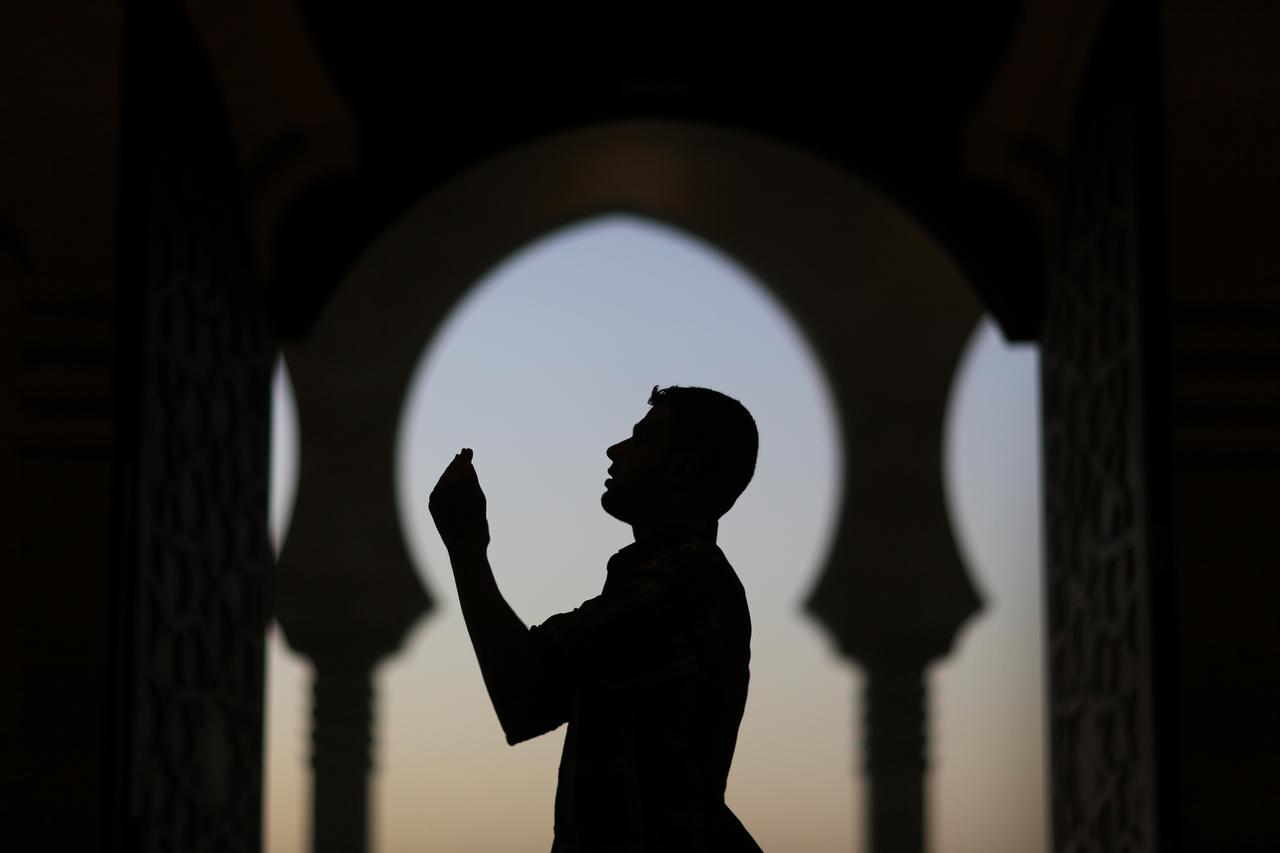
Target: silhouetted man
651, 675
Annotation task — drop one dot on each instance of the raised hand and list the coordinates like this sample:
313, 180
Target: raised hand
457, 505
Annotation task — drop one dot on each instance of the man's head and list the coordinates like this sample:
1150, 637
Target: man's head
695, 452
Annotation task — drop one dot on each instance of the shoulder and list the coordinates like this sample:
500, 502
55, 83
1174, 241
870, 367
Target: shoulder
704, 565
698, 554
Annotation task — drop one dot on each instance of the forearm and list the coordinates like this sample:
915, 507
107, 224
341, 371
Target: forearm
501, 641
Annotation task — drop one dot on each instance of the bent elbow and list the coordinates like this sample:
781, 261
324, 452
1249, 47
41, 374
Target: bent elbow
516, 735
518, 728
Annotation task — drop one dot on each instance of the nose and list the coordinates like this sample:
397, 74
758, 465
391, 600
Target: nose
612, 452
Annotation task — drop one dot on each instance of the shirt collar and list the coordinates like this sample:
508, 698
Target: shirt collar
671, 536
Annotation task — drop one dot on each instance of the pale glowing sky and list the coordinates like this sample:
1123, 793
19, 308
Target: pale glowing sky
548, 361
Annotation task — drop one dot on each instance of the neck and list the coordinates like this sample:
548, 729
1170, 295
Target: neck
658, 529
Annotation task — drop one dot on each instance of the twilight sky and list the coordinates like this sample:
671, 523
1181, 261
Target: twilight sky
549, 360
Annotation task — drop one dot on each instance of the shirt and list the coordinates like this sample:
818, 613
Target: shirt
651, 676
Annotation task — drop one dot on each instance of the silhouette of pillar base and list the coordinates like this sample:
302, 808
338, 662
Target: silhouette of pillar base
894, 703
341, 732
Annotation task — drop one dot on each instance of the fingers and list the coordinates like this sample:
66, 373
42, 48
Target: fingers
458, 470
457, 503
462, 462
461, 469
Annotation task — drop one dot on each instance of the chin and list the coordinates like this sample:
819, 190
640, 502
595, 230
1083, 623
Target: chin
615, 506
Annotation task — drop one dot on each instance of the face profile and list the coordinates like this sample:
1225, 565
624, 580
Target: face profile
639, 468
687, 460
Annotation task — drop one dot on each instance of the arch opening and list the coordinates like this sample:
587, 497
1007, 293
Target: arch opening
547, 361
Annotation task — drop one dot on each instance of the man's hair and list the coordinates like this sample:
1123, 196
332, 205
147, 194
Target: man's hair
721, 435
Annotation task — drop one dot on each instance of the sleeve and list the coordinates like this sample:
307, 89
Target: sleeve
662, 627
617, 641
552, 695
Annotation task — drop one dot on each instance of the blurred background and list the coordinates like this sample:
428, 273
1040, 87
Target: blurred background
190, 187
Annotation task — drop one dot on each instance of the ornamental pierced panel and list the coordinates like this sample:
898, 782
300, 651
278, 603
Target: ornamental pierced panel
1098, 561
197, 360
